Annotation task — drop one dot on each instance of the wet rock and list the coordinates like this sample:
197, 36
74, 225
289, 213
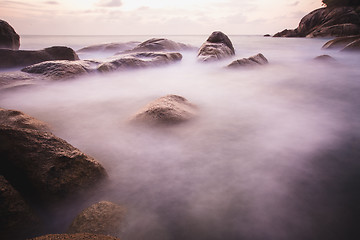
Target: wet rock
324, 58
160, 45
170, 109
109, 47
139, 60
216, 47
104, 218
76, 236
353, 46
258, 59
21, 58
17, 219
9, 39
340, 42
326, 22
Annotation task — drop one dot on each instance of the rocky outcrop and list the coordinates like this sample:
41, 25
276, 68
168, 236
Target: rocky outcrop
326, 22
170, 109
351, 43
104, 218
77, 236
216, 47
160, 45
9, 39
256, 60
109, 47
21, 58
139, 60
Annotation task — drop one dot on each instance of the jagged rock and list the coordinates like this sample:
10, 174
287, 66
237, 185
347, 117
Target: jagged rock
139, 60
105, 218
340, 42
258, 59
8, 37
109, 47
76, 236
326, 22
216, 47
160, 45
20, 58
170, 109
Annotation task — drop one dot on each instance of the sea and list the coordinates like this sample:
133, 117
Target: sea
273, 152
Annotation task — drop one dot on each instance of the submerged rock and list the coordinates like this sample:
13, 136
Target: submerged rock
21, 58
216, 47
170, 109
326, 22
160, 45
9, 39
109, 47
105, 218
258, 59
76, 236
139, 60
324, 58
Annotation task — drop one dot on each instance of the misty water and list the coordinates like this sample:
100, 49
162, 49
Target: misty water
273, 152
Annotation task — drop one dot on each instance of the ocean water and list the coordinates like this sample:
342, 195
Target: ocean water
273, 152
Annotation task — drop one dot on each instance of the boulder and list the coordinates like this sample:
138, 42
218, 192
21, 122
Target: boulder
267, 35
16, 79
17, 219
326, 22
9, 39
109, 47
256, 60
340, 42
139, 60
76, 236
20, 58
104, 218
325, 58
216, 47
160, 45
353, 46
168, 110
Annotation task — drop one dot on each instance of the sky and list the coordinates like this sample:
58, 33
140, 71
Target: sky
153, 17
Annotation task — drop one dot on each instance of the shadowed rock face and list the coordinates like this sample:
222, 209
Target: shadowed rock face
8, 37
101, 218
258, 59
77, 236
216, 47
21, 58
168, 110
109, 47
160, 45
326, 22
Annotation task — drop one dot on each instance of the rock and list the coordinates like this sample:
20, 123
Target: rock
43, 167
109, 47
8, 37
216, 47
170, 109
17, 79
77, 236
326, 22
139, 60
21, 58
17, 219
353, 46
324, 58
340, 42
267, 35
258, 59
160, 45
101, 218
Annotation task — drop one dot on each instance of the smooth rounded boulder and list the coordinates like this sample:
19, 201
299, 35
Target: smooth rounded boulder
256, 60
217, 46
109, 47
9, 39
160, 45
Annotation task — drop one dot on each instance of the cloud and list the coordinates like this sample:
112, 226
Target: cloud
294, 4
110, 3
51, 2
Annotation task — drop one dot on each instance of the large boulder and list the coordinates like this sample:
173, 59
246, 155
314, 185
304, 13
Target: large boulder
168, 110
340, 42
8, 37
353, 46
17, 119
326, 22
109, 47
105, 218
216, 47
160, 45
256, 60
139, 60
21, 58
76, 236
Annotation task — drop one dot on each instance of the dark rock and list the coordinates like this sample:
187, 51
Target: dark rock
267, 35
109, 47
160, 45
17, 219
324, 58
101, 218
353, 46
340, 42
76, 236
258, 59
170, 109
139, 60
21, 58
8, 37
217, 46
325, 22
